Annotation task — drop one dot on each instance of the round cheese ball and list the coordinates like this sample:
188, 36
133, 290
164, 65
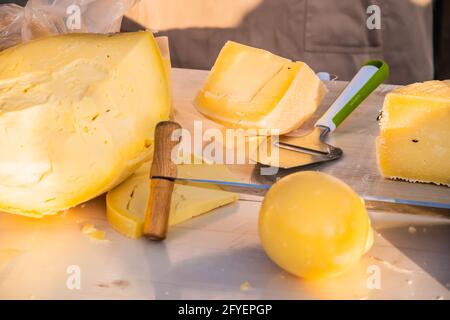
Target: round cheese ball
314, 225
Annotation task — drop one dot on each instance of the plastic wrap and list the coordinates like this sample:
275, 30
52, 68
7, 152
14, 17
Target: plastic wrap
49, 17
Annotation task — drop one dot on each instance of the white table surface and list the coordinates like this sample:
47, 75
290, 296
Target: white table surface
209, 257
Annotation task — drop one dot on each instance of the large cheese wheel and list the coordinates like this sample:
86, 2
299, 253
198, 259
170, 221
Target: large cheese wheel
77, 116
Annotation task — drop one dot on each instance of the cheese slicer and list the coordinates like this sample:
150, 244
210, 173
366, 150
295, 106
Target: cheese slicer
311, 148
423, 199
164, 175
294, 152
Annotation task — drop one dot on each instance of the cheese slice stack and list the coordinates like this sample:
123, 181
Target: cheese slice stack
127, 203
77, 117
414, 143
253, 88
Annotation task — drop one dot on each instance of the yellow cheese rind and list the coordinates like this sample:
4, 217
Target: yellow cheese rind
253, 88
127, 203
76, 117
414, 141
163, 45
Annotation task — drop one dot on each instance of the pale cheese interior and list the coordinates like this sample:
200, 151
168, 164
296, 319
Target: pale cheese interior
414, 143
77, 116
127, 203
253, 88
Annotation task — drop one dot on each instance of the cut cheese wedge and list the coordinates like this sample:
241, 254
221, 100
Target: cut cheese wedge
127, 203
414, 143
163, 44
77, 117
253, 88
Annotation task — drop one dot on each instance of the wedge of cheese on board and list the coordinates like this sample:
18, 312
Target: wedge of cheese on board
253, 88
163, 44
414, 143
127, 203
77, 117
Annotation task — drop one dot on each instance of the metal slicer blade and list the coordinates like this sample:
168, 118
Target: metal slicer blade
304, 150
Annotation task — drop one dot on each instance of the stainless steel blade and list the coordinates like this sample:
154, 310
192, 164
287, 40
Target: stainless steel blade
314, 142
372, 203
257, 180
311, 142
236, 187
296, 152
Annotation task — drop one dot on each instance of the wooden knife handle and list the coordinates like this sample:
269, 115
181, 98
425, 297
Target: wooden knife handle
162, 177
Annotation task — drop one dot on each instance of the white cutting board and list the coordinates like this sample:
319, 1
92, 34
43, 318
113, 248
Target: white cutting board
355, 136
208, 257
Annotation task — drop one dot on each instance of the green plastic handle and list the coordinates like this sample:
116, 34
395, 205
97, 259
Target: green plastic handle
367, 79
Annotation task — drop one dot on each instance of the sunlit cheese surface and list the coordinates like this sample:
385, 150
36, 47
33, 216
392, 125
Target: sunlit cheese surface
77, 116
127, 203
253, 88
314, 225
414, 143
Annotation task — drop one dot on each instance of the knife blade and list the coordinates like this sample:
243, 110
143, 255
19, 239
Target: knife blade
258, 184
164, 173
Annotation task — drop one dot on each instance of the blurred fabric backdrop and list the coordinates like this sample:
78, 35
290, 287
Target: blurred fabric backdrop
329, 35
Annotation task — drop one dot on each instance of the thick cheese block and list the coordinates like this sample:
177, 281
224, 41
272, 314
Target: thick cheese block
253, 88
127, 203
414, 143
77, 117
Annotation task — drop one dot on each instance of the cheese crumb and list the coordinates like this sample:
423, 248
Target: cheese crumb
245, 286
412, 230
93, 233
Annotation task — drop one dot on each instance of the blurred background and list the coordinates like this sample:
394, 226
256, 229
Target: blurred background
413, 36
